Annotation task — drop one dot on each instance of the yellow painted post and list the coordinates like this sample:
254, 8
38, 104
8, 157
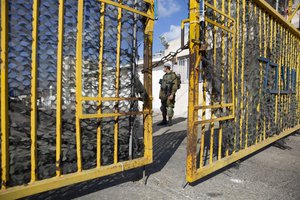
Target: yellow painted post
279, 75
79, 82
289, 71
59, 85
222, 89
233, 52
4, 93
250, 5
277, 61
271, 54
203, 99
212, 124
116, 126
101, 47
265, 55
194, 54
147, 109
294, 68
260, 70
284, 74
33, 112
237, 68
242, 71
228, 78
297, 78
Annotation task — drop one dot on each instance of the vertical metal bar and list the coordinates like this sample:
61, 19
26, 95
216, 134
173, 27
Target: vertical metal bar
116, 127
258, 104
101, 47
59, 85
260, 73
200, 98
222, 78
237, 68
288, 77
194, 53
212, 124
229, 75
268, 125
232, 77
271, 52
277, 61
298, 79
242, 71
265, 54
284, 74
294, 63
79, 82
148, 41
247, 93
279, 75
33, 113
203, 117
4, 94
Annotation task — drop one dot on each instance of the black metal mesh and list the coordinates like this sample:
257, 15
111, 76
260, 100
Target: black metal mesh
250, 120
19, 58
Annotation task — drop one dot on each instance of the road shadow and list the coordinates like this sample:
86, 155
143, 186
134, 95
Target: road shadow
174, 121
164, 146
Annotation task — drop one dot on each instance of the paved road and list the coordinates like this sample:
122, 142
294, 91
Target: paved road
273, 173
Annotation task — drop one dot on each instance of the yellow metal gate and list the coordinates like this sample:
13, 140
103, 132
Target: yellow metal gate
244, 82
80, 106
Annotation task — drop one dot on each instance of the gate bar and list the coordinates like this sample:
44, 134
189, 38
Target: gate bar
79, 82
33, 113
212, 124
116, 126
4, 93
101, 49
242, 74
222, 87
194, 51
59, 85
237, 70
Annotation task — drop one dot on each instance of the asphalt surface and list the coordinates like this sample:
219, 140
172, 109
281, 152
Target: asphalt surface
272, 173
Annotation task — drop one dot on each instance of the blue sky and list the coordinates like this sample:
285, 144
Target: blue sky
170, 15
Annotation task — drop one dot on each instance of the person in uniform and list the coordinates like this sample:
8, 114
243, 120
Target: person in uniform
168, 88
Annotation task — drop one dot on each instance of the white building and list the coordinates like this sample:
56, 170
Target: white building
180, 65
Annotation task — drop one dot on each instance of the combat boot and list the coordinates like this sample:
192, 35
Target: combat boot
163, 122
170, 121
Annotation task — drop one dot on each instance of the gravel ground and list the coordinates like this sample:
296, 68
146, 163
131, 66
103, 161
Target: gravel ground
272, 173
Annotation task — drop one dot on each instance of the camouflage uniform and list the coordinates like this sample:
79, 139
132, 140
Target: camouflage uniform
168, 87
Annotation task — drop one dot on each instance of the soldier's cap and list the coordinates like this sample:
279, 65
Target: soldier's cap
167, 65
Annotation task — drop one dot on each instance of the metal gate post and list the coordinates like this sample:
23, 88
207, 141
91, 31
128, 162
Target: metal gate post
4, 92
193, 89
147, 109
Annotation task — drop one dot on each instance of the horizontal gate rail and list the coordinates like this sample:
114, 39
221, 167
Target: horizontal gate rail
66, 59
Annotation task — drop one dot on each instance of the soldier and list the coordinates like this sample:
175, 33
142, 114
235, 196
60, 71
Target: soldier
168, 88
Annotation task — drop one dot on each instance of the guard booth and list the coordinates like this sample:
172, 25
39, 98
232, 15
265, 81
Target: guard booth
248, 57
69, 91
